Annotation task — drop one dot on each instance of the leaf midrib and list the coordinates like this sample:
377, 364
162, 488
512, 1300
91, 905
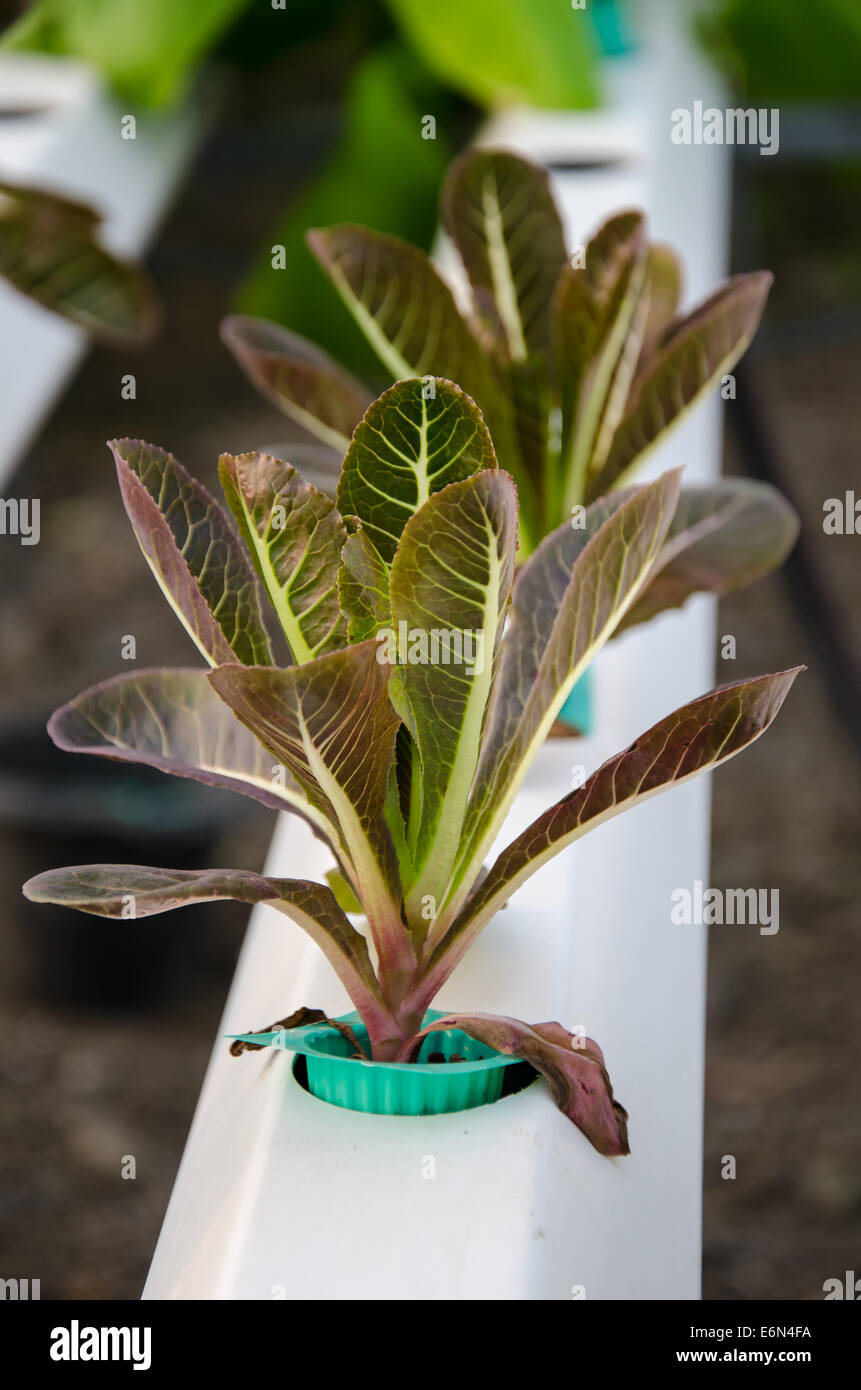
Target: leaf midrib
299, 647
504, 290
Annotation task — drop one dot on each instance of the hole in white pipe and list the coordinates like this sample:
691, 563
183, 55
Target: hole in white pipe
23, 113
588, 164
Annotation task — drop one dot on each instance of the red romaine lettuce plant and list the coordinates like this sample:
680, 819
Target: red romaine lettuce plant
421, 679
578, 369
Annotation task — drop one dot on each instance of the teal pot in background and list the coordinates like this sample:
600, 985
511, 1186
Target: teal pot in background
612, 25
578, 711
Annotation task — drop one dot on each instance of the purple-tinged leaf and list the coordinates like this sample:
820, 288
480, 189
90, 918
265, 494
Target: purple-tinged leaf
300, 1018
49, 251
450, 583
285, 1032
410, 444
500, 213
663, 289
294, 535
692, 358
723, 536
318, 465
194, 553
331, 723
298, 377
363, 586
595, 307
569, 598
408, 315
572, 1065
403, 306
529, 387
175, 722
130, 891
692, 740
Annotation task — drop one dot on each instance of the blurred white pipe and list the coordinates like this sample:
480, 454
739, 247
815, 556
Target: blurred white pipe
59, 130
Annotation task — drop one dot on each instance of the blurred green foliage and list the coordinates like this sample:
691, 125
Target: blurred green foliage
145, 50
788, 50
536, 52
384, 174
541, 52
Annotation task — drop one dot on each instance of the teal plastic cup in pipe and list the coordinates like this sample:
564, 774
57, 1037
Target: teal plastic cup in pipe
398, 1088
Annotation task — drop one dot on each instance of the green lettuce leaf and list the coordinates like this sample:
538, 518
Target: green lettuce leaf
416, 439
294, 534
568, 600
363, 585
408, 314
501, 215
450, 584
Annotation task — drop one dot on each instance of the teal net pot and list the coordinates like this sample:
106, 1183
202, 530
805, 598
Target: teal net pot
400, 1088
577, 712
